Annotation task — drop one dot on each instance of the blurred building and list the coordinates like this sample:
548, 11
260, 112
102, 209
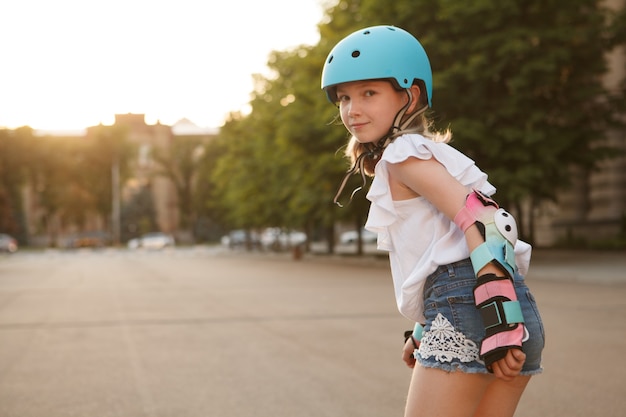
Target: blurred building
145, 177
594, 209
149, 138
146, 171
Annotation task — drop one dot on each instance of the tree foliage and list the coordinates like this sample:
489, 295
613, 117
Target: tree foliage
280, 165
68, 178
519, 83
14, 159
105, 147
179, 162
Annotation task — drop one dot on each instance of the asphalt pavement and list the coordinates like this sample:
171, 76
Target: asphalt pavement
208, 332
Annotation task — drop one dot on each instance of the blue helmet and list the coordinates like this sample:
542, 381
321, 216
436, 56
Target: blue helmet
377, 52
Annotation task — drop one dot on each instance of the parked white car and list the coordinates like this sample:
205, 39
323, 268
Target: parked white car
352, 236
8, 243
156, 240
274, 238
241, 239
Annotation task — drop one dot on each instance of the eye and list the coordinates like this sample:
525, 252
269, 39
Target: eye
369, 93
343, 98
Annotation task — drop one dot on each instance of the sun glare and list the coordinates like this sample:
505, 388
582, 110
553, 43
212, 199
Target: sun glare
71, 64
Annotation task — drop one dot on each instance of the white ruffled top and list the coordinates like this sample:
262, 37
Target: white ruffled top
418, 237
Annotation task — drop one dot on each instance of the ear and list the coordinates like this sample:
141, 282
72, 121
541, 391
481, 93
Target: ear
416, 92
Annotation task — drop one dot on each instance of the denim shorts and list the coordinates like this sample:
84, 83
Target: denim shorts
454, 327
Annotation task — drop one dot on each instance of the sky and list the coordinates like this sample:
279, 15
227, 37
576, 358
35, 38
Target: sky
70, 64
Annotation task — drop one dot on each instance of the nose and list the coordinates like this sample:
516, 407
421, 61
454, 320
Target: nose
353, 108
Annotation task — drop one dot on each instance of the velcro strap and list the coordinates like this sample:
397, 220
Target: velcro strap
503, 254
418, 330
480, 257
509, 338
464, 218
501, 313
494, 288
509, 256
477, 206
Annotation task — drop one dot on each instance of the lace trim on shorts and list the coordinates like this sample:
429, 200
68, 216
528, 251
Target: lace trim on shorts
446, 344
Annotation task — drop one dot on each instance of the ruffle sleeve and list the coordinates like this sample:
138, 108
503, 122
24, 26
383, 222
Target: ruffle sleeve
382, 211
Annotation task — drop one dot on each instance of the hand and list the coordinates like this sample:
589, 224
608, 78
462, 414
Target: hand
407, 352
510, 366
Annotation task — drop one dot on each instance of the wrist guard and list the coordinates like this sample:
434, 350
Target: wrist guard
415, 335
502, 317
494, 295
417, 331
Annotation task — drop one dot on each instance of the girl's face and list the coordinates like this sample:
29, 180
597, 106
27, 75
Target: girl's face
369, 107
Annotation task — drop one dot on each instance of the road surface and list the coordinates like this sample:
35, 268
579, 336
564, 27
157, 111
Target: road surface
205, 332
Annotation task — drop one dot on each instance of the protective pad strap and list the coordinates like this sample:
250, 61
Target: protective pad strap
494, 249
464, 218
478, 207
499, 314
493, 288
418, 330
503, 340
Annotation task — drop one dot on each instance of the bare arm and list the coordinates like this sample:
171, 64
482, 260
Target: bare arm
430, 179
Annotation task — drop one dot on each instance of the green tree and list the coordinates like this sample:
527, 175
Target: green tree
138, 215
282, 160
207, 204
105, 147
312, 141
52, 178
179, 163
15, 148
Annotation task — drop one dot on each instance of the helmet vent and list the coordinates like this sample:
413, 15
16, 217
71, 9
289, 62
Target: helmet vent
356, 54
330, 59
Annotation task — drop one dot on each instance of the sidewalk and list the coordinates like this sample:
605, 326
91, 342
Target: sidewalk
598, 267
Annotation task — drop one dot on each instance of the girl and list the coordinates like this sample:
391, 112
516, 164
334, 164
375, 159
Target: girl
456, 263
